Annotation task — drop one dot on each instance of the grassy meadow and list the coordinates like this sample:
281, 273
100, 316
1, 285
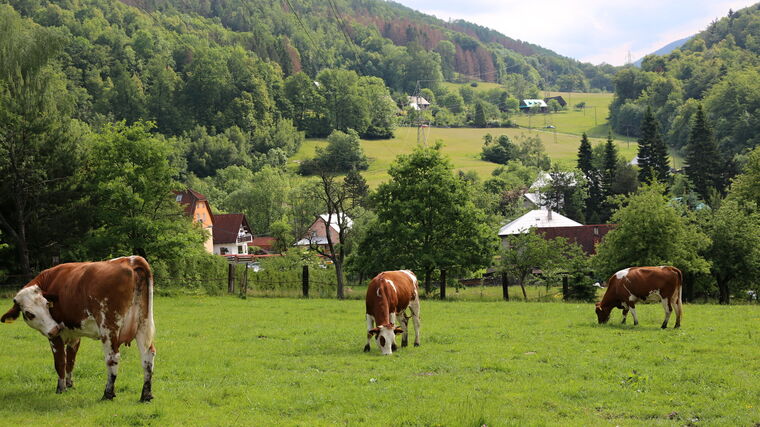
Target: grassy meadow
270, 361
462, 145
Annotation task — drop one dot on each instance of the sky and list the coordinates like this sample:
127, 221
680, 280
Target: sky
593, 31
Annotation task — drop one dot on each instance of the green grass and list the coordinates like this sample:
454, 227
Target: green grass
592, 119
268, 361
462, 145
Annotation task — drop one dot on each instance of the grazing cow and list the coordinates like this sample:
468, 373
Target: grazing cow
111, 301
630, 285
388, 296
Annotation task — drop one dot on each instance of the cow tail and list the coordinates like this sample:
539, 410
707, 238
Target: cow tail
145, 287
680, 284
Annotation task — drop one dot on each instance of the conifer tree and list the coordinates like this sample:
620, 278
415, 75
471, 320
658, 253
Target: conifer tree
585, 164
653, 155
479, 120
609, 174
703, 161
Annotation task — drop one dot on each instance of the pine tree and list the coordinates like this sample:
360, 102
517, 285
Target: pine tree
609, 174
479, 120
703, 161
585, 164
653, 155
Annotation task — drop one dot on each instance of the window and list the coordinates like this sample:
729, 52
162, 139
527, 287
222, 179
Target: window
223, 251
240, 249
179, 198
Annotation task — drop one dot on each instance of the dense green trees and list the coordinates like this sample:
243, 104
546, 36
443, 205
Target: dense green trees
654, 163
426, 220
704, 164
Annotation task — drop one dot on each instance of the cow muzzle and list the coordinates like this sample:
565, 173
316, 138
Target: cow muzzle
54, 331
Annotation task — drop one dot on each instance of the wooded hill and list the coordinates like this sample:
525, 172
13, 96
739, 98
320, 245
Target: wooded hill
717, 68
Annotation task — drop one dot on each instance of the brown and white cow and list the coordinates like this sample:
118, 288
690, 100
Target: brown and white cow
111, 301
633, 284
388, 296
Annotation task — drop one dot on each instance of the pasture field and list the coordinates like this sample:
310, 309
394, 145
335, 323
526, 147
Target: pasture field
592, 119
269, 361
462, 145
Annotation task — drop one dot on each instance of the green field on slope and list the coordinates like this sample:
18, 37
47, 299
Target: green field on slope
273, 361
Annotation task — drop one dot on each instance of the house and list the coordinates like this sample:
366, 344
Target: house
265, 245
587, 236
527, 104
231, 234
538, 218
197, 207
558, 98
418, 103
316, 235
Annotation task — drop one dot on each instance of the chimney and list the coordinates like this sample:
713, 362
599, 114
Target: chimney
548, 213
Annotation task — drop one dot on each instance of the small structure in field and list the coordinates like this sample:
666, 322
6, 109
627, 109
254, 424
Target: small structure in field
558, 98
528, 105
418, 103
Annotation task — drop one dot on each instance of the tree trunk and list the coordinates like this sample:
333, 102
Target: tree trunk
443, 284
339, 274
23, 249
522, 286
724, 296
505, 286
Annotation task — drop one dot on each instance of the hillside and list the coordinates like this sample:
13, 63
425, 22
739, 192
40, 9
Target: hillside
670, 47
717, 68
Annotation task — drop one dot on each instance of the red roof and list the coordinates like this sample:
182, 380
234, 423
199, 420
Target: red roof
226, 227
585, 235
264, 242
189, 198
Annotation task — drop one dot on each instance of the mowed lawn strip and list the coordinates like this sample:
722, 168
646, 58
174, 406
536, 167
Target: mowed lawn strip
462, 145
265, 361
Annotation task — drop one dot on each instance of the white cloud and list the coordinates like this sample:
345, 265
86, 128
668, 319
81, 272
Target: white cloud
589, 30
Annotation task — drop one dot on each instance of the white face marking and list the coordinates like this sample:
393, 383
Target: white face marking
386, 336
622, 273
392, 285
34, 308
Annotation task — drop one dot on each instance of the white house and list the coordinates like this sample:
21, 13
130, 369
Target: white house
316, 235
231, 234
418, 103
538, 218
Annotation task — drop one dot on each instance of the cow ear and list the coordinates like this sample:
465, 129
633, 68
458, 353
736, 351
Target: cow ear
373, 331
398, 331
12, 314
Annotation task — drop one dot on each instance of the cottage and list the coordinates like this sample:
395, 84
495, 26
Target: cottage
526, 105
587, 236
418, 103
558, 98
539, 218
231, 234
198, 208
316, 235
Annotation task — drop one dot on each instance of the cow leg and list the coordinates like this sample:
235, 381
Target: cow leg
71, 355
679, 310
393, 320
59, 358
112, 358
625, 312
633, 313
148, 353
370, 325
405, 327
414, 307
666, 307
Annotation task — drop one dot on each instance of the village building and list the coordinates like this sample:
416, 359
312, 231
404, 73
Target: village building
559, 99
232, 234
418, 103
316, 235
262, 245
527, 104
198, 208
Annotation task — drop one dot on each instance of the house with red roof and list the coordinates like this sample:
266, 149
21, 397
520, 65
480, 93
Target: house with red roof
198, 208
232, 234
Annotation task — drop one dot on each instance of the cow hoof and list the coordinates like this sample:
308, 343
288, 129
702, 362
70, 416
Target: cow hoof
677, 326
366, 348
146, 398
665, 326
108, 396
69, 384
404, 343
59, 390
416, 344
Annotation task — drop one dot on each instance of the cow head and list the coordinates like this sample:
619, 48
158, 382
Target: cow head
602, 313
385, 336
33, 304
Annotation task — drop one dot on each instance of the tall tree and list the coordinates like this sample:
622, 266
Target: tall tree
703, 160
479, 118
609, 176
39, 152
653, 154
593, 202
426, 220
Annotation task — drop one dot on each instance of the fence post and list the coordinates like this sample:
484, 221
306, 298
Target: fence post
443, 283
244, 283
505, 286
565, 288
305, 281
231, 279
